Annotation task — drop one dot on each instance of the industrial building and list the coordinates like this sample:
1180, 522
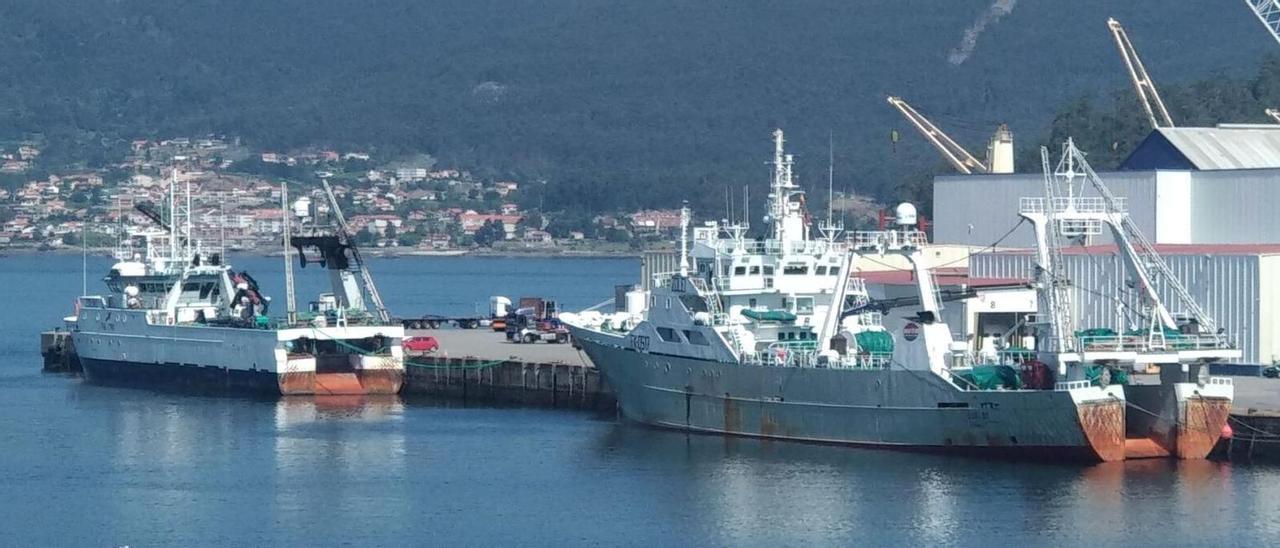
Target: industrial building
1181, 186
1204, 196
1235, 284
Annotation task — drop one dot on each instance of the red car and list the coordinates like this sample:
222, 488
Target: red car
421, 345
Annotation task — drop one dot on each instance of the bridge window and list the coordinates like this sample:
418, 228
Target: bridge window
795, 270
696, 337
768, 270
804, 304
669, 335
739, 271
822, 271
755, 270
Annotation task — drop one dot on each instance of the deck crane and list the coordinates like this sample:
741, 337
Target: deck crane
1268, 11
1147, 94
954, 153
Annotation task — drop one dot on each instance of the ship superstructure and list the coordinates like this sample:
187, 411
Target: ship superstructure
184, 319
773, 338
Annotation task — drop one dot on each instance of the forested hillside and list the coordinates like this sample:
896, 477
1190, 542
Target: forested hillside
615, 103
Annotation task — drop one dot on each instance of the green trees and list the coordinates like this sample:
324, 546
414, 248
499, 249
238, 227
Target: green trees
621, 106
492, 231
1108, 130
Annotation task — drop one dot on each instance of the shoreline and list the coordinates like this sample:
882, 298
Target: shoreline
375, 253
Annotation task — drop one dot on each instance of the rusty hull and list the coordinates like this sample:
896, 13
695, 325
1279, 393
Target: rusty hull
367, 382
1103, 425
1201, 426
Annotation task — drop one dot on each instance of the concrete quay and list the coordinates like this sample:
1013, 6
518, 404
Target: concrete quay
1255, 420
481, 365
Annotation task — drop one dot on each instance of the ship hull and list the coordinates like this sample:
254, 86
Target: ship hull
194, 379
119, 347
899, 409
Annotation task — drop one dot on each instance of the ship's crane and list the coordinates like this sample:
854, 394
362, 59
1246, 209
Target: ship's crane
1147, 94
344, 232
1268, 11
954, 153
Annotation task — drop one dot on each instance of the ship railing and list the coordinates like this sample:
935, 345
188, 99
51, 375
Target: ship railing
889, 239
1072, 204
870, 319
806, 355
669, 279
778, 247
1144, 343
1031, 205
856, 286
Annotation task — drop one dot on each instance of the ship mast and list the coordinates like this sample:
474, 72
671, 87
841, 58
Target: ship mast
684, 240
290, 301
830, 229
173, 216
785, 207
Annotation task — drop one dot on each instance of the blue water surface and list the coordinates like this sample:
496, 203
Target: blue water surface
83, 465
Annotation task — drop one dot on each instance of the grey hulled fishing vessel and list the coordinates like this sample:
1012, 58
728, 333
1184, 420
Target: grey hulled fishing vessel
179, 318
775, 338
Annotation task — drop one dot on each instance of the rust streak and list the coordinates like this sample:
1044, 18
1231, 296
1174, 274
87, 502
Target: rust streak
732, 415
1103, 425
1201, 426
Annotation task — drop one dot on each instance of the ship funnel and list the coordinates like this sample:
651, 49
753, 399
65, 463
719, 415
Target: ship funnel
1000, 150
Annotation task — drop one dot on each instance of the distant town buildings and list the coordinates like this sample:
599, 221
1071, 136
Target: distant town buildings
237, 205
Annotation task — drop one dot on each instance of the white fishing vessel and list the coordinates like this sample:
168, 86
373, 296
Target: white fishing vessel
177, 317
775, 338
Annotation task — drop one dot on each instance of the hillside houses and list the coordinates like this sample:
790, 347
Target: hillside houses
389, 205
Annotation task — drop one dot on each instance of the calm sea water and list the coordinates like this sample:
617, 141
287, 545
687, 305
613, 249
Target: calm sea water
91, 466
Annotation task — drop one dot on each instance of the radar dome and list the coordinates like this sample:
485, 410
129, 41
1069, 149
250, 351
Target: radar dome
905, 214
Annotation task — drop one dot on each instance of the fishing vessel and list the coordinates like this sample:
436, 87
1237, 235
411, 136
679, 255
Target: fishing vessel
777, 338
177, 317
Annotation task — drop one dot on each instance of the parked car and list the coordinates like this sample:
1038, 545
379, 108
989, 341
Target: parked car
421, 345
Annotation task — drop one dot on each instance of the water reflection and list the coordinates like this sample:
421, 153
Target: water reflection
331, 453
789, 493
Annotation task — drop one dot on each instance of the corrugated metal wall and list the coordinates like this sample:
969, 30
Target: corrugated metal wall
978, 209
656, 262
1237, 206
1225, 286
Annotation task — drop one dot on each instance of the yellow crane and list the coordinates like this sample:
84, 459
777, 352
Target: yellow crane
1147, 94
999, 153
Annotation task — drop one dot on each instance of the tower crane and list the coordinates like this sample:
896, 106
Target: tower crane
954, 153
1147, 94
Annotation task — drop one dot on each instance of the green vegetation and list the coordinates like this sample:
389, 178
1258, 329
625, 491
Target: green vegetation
1109, 130
617, 105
